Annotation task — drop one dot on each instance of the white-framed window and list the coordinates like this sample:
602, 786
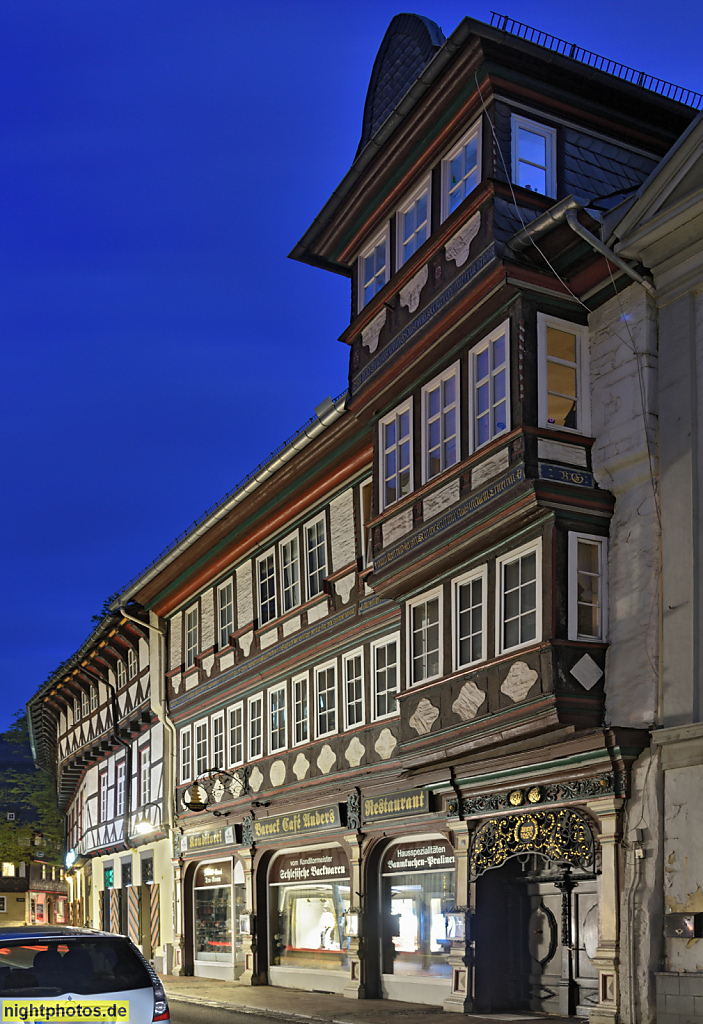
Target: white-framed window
396, 445
192, 638
425, 637
121, 674
132, 663
85, 704
76, 710
266, 586
225, 614
256, 726
120, 775
144, 775
440, 423
277, 718
534, 149
315, 556
201, 747
236, 735
3, 904
94, 697
469, 599
413, 223
461, 169
563, 375
326, 699
218, 741
186, 754
374, 267
385, 669
301, 709
588, 604
519, 597
366, 508
104, 796
489, 387
353, 682
289, 554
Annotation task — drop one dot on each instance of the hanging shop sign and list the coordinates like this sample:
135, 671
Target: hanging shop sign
418, 855
395, 805
326, 865
200, 842
209, 876
300, 823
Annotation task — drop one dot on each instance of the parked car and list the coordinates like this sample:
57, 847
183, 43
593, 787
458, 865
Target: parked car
54, 973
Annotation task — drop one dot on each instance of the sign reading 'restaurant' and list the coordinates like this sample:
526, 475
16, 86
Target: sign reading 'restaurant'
315, 820
326, 865
395, 805
418, 855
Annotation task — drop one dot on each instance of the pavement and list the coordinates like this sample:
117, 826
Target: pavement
321, 1008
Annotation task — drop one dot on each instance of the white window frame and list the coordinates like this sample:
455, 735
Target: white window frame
271, 553
319, 669
508, 557
76, 709
394, 415
225, 601
302, 680
186, 753
431, 595
292, 538
425, 186
94, 697
277, 689
346, 658
583, 391
385, 642
474, 131
145, 774
381, 236
202, 723
192, 635
486, 343
309, 576
517, 121
121, 674
438, 382
480, 573
258, 698
104, 795
3, 904
602, 544
120, 786
132, 663
217, 759
234, 711
365, 516
85, 704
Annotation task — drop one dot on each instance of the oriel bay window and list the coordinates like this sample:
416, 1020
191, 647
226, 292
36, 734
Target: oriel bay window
563, 375
326, 699
490, 387
469, 598
396, 454
519, 619
424, 631
440, 422
587, 587
385, 661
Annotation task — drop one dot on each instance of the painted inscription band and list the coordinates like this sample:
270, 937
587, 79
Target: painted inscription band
577, 477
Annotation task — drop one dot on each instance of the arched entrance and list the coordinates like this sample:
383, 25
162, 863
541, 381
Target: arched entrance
536, 909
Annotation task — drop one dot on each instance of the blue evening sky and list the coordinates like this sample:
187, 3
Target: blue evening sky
158, 160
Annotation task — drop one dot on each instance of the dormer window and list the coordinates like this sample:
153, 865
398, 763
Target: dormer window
534, 156
374, 268
461, 170
413, 223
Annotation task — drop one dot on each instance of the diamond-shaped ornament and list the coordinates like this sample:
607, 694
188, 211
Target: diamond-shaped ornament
586, 672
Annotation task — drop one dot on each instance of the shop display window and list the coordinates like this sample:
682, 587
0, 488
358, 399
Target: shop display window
212, 893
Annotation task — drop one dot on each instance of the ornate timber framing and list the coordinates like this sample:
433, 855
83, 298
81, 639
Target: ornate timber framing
563, 836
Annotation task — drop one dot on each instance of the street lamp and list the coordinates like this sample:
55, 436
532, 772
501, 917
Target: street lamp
197, 797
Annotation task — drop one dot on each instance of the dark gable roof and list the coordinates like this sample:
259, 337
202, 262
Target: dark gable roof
408, 46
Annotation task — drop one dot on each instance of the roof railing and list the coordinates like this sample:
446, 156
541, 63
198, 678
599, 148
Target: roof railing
594, 60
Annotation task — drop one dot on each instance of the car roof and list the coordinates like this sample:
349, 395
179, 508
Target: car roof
53, 931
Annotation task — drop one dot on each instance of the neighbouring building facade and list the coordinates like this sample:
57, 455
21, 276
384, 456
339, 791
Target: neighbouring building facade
399, 688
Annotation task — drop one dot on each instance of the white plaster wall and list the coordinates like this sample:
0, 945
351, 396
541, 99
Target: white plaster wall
623, 463
245, 599
683, 859
342, 529
143, 653
207, 620
175, 627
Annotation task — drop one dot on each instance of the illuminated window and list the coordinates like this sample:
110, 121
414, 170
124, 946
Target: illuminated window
563, 375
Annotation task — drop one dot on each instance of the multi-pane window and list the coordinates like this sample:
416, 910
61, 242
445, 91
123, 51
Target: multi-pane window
186, 755
277, 718
461, 170
352, 667
256, 726
85, 704
470, 618
316, 556
425, 638
301, 728
94, 697
121, 674
396, 454
519, 598
563, 370
201, 747
587, 593
440, 411
326, 700
119, 788
218, 741
266, 583
76, 710
490, 387
533, 153
385, 667
412, 224
373, 268
225, 614
290, 572
192, 640
144, 775
236, 735
132, 663
104, 794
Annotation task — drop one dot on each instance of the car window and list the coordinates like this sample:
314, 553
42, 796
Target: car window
86, 966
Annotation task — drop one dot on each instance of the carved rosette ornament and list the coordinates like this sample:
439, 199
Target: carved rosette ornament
563, 836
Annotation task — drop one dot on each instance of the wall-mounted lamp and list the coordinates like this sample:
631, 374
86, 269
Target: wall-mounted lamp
352, 922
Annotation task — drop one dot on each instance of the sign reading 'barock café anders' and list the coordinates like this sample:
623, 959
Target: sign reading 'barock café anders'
395, 805
314, 820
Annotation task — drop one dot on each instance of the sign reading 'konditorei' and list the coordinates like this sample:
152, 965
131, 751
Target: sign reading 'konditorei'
199, 842
395, 805
314, 820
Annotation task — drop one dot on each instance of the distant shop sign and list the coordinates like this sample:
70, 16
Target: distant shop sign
201, 842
